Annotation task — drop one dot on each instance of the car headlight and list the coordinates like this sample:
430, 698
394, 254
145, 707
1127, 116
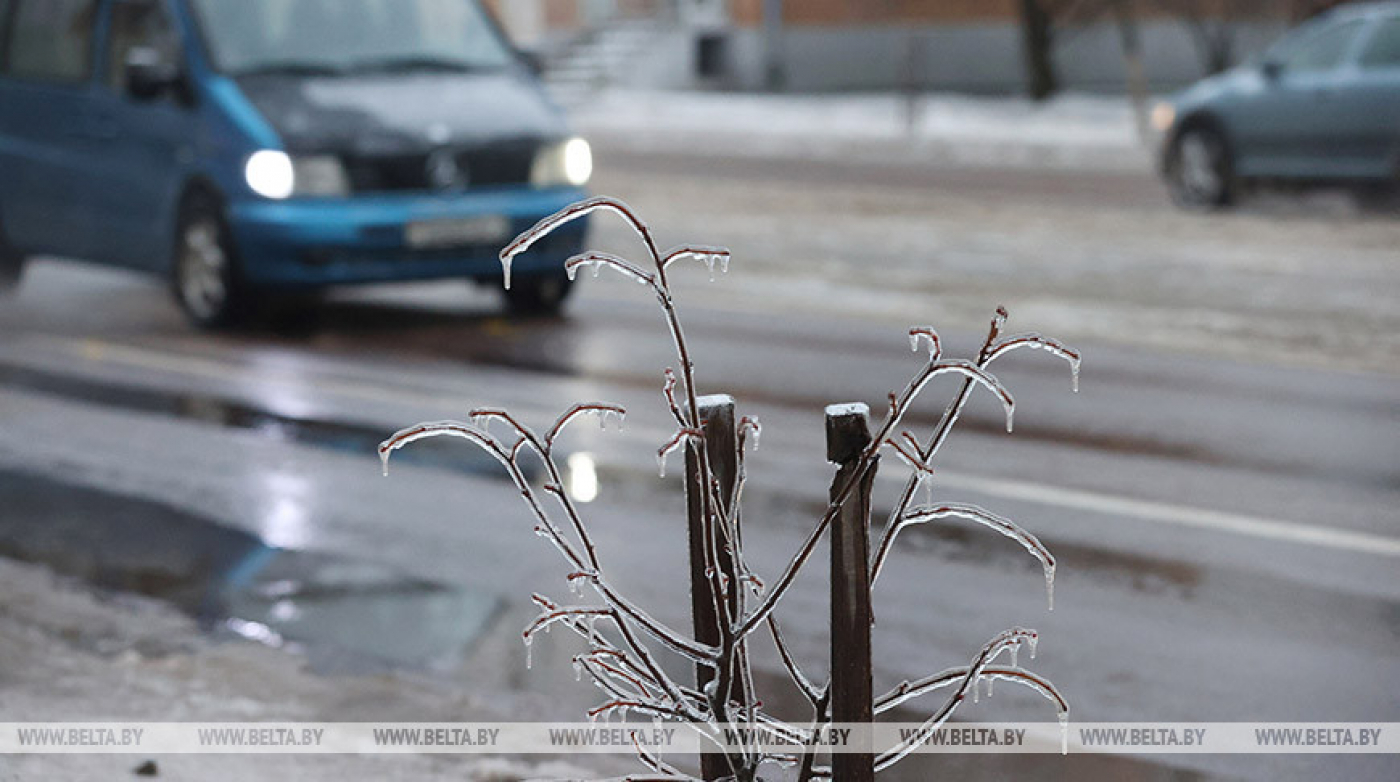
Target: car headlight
269, 174
277, 175
1163, 115
566, 163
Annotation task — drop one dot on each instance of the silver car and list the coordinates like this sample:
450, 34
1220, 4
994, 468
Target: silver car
1321, 105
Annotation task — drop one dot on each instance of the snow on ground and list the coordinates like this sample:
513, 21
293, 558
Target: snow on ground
1072, 130
71, 653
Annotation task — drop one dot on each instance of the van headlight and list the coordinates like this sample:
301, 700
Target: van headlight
277, 175
269, 174
565, 163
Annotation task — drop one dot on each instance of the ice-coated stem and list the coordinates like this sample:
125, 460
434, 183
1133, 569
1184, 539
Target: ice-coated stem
925, 514
1005, 640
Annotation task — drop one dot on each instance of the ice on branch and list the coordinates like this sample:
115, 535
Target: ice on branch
600, 260
602, 411
672, 445
1039, 342
925, 514
710, 256
926, 334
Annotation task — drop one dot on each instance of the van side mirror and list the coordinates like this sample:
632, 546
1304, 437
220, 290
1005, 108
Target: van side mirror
149, 76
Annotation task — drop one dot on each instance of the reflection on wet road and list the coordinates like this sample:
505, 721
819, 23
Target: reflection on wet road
1202, 509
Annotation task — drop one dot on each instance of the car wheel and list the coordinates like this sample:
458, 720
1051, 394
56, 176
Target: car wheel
1200, 173
538, 295
11, 264
205, 277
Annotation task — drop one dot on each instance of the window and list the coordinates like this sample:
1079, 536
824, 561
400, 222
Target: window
346, 35
1322, 50
51, 40
1383, 50
139, 24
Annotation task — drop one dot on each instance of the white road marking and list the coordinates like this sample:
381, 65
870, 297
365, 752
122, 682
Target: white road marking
1027, 491
1172, 513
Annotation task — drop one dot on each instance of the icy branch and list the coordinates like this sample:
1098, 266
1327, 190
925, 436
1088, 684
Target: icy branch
570, 213
920, 334
910, 456
599, 260
1008, 639
603, 411
971, 371
674, 444
655, 763
422, 431
907, 690
710, 256
928, 513
1039, 342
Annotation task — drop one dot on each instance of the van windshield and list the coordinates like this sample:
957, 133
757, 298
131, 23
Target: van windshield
344, 36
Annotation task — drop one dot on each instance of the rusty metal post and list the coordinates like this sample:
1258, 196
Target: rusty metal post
852, 690
721, 446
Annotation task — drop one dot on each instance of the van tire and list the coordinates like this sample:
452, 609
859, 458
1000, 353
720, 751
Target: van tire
204, 276
542, 294
11, 265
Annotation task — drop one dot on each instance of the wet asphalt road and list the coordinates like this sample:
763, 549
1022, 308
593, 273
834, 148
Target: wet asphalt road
1227, 530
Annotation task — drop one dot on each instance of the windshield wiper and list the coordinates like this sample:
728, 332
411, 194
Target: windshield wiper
291, 68
416, 63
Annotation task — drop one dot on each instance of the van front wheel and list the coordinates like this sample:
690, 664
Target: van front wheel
206, 277
11, 265
542, 294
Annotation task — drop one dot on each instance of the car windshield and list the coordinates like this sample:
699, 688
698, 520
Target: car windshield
342, 36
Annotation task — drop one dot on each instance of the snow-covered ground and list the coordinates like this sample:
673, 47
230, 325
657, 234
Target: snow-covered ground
1072, 130
70, 652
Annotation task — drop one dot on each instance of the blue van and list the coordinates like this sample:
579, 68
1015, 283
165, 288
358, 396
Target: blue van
246, 147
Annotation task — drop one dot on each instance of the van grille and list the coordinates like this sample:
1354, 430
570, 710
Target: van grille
503, 164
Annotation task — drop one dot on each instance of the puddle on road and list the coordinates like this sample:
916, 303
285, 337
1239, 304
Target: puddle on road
1137, 572
332, 435
344, 615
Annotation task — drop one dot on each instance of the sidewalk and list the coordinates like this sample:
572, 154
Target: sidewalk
1071, 131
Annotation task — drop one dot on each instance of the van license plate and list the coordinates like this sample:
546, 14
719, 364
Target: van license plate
457, 232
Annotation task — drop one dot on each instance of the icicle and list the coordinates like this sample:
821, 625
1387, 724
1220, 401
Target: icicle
1064, 732
505, 269
709, 260
1010, 414
578, 670
1015, 651
724, 263
384, 460
1050, 587
976, 690
921, 334
529, 651
1074, 376
990, 681
661, 463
